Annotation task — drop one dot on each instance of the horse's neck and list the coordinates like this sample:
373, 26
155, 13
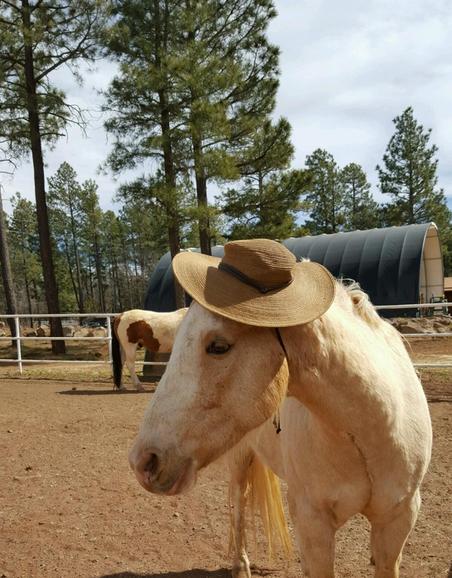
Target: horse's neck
345, 371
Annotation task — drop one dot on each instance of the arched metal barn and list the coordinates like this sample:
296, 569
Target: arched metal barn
394, 265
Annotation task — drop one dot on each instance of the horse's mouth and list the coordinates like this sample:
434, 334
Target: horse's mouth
169, 485
185, 481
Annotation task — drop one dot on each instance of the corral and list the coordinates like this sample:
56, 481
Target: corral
70, 506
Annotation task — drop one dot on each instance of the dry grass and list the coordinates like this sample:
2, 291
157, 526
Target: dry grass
75, 351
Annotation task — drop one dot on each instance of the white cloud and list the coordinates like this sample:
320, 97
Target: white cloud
347, 69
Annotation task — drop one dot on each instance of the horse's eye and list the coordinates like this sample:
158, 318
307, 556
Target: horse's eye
218, 347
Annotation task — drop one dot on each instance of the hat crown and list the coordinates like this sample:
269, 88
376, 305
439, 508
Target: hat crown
264, 261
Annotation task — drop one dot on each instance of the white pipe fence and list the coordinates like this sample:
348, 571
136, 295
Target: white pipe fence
19, 359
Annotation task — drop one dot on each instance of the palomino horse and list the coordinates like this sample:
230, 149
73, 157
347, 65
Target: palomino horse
357, 437
156, 331
135, 328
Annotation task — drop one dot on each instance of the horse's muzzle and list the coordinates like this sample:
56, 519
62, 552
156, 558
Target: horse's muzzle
162, 472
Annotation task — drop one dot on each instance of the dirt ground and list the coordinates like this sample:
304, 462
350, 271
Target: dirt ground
70, 506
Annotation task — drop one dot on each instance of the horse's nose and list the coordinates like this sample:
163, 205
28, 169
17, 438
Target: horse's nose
152, 465
146, 465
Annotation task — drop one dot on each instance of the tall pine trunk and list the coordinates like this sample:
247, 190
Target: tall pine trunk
71, 275
168, 159
201, 196
81, 303
7, 278
45, 246
98, 264
28, 293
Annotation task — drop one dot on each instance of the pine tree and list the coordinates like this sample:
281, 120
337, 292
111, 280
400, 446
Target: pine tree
144, 108
324, 199
25, 254
229, 77
37, 38
267, 203
197, 80
65, 204
409, 176
90, 236
6, 273
360, 209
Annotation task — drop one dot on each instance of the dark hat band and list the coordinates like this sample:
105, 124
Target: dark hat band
251, 282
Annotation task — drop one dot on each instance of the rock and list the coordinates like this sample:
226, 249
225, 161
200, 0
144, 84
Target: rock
29, 332
99, 331
43, 331
410, 328
68, 331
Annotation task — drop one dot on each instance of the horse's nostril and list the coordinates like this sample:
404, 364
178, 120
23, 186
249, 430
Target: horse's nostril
152, 465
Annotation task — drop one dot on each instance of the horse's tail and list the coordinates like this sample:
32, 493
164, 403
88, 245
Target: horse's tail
265, 498
116, 355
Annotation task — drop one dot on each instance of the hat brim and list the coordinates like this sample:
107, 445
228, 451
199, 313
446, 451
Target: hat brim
308, 296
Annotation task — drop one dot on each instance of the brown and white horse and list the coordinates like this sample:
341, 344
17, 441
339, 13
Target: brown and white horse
137, 328
356, 438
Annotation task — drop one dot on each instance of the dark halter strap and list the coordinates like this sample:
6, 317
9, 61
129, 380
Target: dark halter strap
251, 282
276, 420
281, 342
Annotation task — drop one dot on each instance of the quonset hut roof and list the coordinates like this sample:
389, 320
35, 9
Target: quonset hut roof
395, 265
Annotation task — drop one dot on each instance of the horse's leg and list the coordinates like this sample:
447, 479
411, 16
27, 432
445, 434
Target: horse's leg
131, 351
388, 538
238, 466
315, 535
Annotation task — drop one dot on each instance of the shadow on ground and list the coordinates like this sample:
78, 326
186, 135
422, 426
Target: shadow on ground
222, 573
195, 573
102, 391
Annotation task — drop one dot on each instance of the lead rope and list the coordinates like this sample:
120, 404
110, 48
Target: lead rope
276, 418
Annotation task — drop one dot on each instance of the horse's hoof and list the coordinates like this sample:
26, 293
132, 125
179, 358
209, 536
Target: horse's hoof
242, 572
140, 388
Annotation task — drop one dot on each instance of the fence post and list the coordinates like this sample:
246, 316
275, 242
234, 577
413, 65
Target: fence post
110, 354
18, 344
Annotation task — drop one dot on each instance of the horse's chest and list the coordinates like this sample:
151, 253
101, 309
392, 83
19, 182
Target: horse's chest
328, 468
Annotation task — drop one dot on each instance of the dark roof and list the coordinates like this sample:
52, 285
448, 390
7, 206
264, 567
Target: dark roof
386, 263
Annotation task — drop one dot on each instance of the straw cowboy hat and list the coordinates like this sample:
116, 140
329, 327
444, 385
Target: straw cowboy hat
257, 282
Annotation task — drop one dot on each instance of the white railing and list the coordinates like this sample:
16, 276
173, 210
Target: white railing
19, 360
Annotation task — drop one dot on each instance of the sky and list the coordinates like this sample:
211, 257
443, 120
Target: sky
347, 69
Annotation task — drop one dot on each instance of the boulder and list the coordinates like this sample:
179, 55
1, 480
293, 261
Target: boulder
100, 332
29, 332
43, 331
68, 330
411, 327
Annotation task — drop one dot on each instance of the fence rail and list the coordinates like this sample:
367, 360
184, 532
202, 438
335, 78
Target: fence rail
20, 361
